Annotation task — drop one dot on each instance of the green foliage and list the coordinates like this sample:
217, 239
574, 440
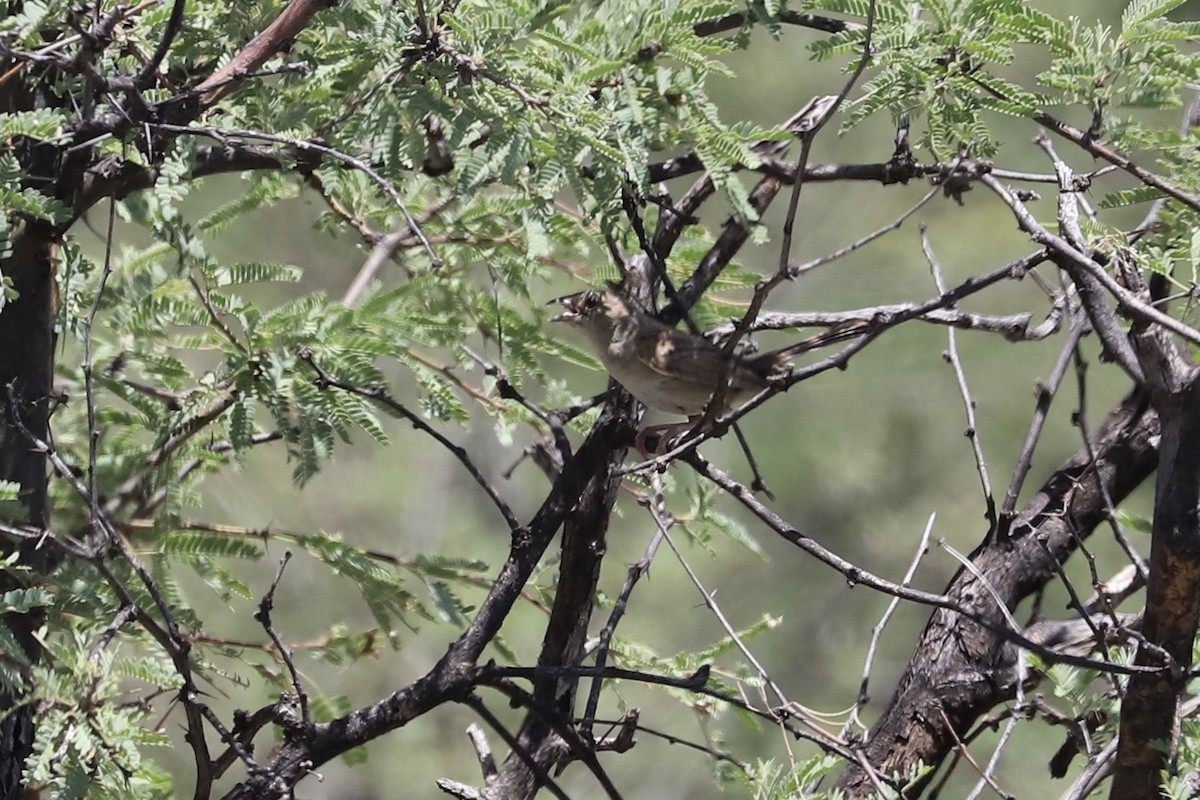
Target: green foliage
198, 358
684, 664
769, 780
944, 64
20, 201
32, 16
42, 123
98, 739
703, 520
21, 600
1085, 695
91, 742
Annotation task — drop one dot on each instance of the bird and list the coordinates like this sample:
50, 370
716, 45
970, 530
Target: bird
673, 370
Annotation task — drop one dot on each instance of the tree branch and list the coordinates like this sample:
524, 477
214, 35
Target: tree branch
274, 39
950, 680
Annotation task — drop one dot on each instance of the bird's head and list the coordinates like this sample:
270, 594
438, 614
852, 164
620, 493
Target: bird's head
596, 312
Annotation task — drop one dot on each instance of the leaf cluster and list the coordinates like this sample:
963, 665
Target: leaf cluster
551, 114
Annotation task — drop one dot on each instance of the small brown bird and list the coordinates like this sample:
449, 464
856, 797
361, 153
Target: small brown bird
673, 370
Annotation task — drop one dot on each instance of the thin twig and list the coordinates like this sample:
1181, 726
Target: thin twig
856, 575
1013, 327
378, 395
972, 431
180, 435
214, 316
793, 709
1098, 767
1045, 394
1079, 418
473, 702
864, 695
716, 755
385, 247
269, 534
145, 77
797, 270
568, 740
840, 359
88, 367
167, 634
1132, 305
303, 145
507, 391
635, 573
263, 615
821, 118
966, 754
697, 682
1091, 145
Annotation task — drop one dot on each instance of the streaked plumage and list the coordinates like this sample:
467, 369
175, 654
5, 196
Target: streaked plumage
670, 369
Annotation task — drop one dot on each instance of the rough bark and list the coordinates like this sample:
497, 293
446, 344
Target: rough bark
26, 364
1149, 710
583, 547
26, 353
457, 673
78, 180
951, 679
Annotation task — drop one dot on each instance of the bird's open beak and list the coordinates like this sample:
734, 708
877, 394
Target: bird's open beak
571, 304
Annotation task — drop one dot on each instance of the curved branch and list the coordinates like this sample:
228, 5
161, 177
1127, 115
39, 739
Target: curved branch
274, 39
951, 678
455, 674
145, 76
378, 395
1098, 150
732, 22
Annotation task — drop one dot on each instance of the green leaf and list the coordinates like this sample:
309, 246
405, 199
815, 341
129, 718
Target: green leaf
19, 601
205, 543
1139, 12
736, 531
42, 123
257, 272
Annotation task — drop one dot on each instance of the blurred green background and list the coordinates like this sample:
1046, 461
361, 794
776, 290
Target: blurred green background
860, 460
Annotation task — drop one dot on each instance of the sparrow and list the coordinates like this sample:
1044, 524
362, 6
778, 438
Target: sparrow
673, 370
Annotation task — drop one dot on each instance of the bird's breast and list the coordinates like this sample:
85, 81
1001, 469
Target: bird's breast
667, 392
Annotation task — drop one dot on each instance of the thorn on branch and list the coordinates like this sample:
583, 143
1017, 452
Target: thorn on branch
298, 697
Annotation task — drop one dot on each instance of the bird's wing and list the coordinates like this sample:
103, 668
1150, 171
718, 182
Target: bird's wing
675, 353
694, 360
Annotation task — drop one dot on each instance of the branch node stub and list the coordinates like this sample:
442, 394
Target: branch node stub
521, 538
287, 714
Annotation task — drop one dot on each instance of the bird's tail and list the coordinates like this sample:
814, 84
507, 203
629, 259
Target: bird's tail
840, 332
